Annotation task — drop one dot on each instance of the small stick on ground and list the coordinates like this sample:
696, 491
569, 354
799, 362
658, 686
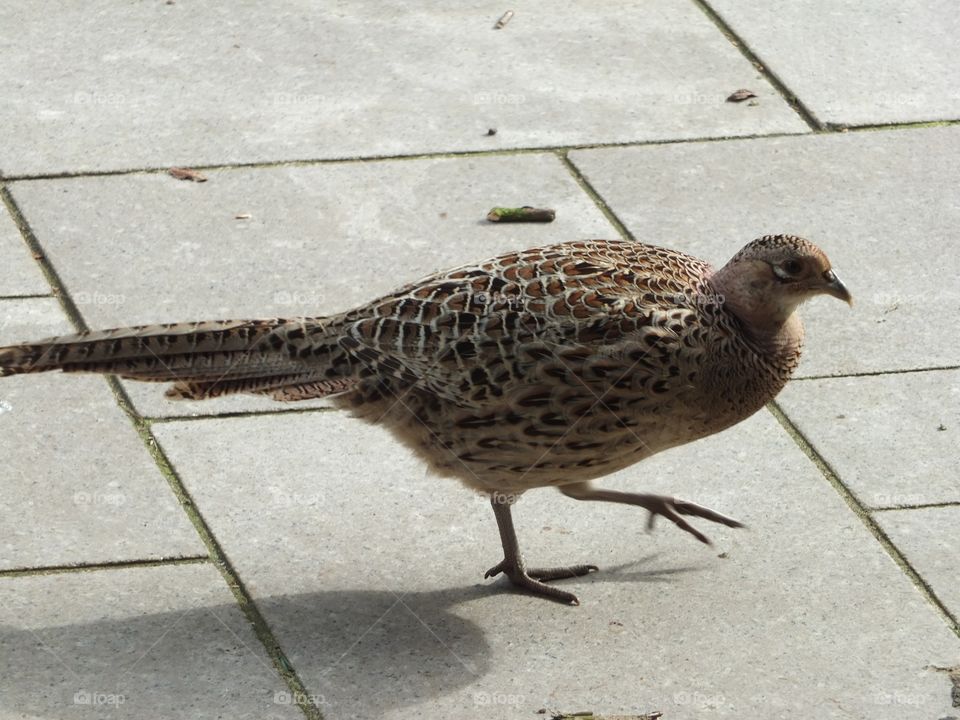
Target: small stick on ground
521, 214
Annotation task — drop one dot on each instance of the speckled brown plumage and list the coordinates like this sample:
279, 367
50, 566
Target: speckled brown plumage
551, 366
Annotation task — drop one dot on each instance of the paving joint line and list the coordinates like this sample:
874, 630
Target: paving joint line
217, 556
779, 85
862, 512
830, 128
399, 157
917, 506
160, 419
877, 373
107, 565
594, 195
278, 657
910, 125
26, 296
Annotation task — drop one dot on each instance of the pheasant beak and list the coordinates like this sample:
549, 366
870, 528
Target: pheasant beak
832, 286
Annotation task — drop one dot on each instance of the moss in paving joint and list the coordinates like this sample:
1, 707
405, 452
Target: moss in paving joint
861, 512
247, 605
110, 565
598, 200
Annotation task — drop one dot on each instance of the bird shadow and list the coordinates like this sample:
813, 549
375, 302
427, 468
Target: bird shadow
629, 572
359, 653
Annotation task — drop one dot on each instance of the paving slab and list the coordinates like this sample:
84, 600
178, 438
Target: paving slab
78, 485
147, 248
295, 81
858, 63
881, 204
369, 571
19, 274
930, 540
153, 642
892, 438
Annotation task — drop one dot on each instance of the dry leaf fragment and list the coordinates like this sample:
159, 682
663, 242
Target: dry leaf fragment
741, 95
185, 174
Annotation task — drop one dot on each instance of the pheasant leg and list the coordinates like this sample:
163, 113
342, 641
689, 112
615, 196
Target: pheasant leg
669, 507
513, 566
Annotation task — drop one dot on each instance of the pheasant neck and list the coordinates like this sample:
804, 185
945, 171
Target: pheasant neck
783, 343
767, 317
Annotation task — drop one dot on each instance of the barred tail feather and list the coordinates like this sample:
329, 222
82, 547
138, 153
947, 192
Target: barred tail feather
203, 359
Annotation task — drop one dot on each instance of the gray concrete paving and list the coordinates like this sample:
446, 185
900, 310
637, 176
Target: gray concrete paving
350, 567
892, 438
146, 642
256, 85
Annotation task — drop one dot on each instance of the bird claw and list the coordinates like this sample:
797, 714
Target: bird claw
672, 508
533, 580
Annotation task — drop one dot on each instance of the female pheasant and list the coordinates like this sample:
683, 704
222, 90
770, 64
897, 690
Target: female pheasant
552, 366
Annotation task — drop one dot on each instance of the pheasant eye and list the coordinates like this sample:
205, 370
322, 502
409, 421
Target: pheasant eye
792, 267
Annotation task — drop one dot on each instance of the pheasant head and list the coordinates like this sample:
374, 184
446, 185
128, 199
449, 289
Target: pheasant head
765, 282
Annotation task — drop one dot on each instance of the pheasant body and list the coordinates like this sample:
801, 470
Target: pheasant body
559, 364
547, 367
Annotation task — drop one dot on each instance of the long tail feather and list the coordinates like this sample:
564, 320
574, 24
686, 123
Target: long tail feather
203, 359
